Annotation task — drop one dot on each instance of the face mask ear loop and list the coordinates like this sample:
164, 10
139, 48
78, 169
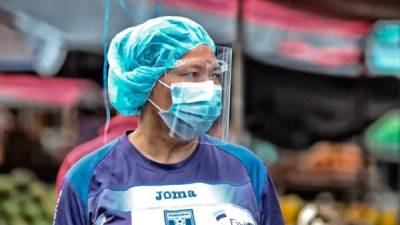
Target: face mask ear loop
162, 82
171, 134
155, 105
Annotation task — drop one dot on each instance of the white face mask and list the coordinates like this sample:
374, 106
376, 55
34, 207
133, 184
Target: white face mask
195, 107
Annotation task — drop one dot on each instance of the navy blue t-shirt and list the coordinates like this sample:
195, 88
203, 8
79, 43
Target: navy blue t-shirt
218, 184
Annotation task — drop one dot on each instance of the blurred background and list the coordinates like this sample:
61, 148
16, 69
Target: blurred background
315, 93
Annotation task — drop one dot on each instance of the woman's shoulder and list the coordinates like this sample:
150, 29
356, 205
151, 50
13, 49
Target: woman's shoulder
243, 154
255, 167
81, 172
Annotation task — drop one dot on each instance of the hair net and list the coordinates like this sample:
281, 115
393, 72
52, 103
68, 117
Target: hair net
139, 55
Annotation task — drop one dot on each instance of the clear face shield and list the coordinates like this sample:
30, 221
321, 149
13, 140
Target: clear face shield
199, 100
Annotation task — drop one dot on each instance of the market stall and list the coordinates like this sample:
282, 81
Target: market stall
316, 85
46, 119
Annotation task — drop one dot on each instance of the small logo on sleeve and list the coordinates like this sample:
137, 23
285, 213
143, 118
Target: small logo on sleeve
179, 217
223, 219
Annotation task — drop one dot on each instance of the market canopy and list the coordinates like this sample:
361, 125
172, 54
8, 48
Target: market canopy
275, 32
383, 49
26, 90
279, 35
49, 29
219, 17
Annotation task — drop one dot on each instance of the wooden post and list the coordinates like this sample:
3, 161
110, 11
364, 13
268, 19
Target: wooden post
238, 81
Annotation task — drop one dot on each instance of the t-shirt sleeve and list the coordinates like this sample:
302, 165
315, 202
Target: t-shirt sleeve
271, 212
69, 209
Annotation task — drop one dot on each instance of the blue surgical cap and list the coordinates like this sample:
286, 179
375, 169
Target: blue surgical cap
139, 55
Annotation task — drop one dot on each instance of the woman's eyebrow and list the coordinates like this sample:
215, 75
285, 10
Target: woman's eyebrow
183, 68
196, 65
192, 65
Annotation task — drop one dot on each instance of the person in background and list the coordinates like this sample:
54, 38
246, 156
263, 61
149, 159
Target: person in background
168, 171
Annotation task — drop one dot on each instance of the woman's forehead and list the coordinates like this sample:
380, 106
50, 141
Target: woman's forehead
201, 52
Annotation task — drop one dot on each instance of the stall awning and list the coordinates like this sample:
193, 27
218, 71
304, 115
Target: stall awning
217, 16
27, 90
383, 49
295, 39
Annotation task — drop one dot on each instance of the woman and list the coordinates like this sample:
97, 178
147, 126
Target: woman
167, 171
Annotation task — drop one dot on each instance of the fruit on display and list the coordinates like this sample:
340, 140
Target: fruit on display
388, 217
362, 213
290, 206
25, 200
333, 157
299, 212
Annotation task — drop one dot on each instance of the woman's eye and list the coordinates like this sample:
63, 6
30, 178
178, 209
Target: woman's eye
191, 74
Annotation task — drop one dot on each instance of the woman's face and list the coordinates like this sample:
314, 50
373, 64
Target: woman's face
197, 65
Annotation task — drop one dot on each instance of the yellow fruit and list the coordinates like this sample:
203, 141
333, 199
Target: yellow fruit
290, 206
388, 217
362, 212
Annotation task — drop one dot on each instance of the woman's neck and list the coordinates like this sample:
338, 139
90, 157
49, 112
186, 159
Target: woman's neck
153, 140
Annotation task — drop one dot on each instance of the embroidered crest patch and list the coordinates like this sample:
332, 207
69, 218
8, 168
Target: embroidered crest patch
179, 217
